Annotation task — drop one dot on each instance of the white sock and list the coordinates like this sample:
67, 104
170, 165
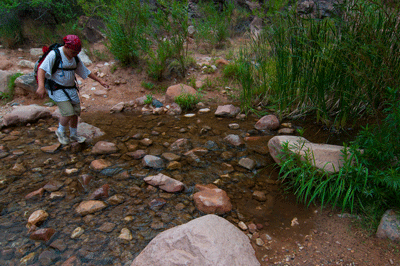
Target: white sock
61, 128
73, 131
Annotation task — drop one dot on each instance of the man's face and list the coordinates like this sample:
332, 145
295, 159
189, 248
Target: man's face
70, 53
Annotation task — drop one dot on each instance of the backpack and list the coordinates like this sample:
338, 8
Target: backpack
46, 50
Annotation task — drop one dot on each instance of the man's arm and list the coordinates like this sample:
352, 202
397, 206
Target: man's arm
41, 90
94, 77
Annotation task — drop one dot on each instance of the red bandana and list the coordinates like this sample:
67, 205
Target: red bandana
72, 42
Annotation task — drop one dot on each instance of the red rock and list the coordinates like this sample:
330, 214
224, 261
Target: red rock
42, 234
37, 194
85, 179
100, 193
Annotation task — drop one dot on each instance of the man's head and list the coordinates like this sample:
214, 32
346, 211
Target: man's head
72, 42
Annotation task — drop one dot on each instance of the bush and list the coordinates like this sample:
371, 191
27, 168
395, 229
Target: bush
127, 28
170, 32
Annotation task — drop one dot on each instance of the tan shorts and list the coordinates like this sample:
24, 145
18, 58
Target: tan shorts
69, 109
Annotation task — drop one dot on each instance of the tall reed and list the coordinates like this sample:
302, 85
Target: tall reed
336, 67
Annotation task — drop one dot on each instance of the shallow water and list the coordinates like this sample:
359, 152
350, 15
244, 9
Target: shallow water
97, 246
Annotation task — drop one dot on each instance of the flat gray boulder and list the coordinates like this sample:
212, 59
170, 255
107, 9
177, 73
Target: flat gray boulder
323, 156
27, 82
207, 241
26, 113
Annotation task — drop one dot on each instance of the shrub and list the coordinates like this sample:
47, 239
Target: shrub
170, 32
127, 27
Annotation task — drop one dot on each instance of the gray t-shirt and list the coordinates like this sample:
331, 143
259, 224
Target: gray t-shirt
63, 77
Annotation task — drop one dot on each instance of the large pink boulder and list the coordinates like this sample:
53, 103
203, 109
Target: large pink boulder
207, 241
25, 114
323, 156
176, 90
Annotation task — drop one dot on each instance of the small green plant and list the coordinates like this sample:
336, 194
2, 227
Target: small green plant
149, 99
188, 101
9, 94
148, 85
192, 82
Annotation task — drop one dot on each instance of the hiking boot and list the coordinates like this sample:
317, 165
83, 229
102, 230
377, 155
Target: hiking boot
62, 138
77, 138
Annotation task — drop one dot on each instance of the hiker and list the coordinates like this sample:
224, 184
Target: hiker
61, 86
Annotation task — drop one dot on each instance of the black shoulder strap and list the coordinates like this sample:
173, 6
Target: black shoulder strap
57, 61
77, 60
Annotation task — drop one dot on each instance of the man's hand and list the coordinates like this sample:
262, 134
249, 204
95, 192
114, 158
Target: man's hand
41, 91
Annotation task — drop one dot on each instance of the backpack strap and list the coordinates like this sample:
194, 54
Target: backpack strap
59, 60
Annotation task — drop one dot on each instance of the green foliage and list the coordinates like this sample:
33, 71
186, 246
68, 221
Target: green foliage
214, 28
96, 8
149, 99
99, 55
9, 94
336, 68
127, 27
188, 101
19, 17
369, 181
10, 29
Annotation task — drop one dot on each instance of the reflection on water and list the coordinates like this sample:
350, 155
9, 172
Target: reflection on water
25, 168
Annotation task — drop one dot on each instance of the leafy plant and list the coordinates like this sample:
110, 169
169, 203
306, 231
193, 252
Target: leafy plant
188, 101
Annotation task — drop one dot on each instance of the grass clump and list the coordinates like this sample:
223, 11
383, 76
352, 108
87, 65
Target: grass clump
148, 85
335, 68
369, 181
188, 101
